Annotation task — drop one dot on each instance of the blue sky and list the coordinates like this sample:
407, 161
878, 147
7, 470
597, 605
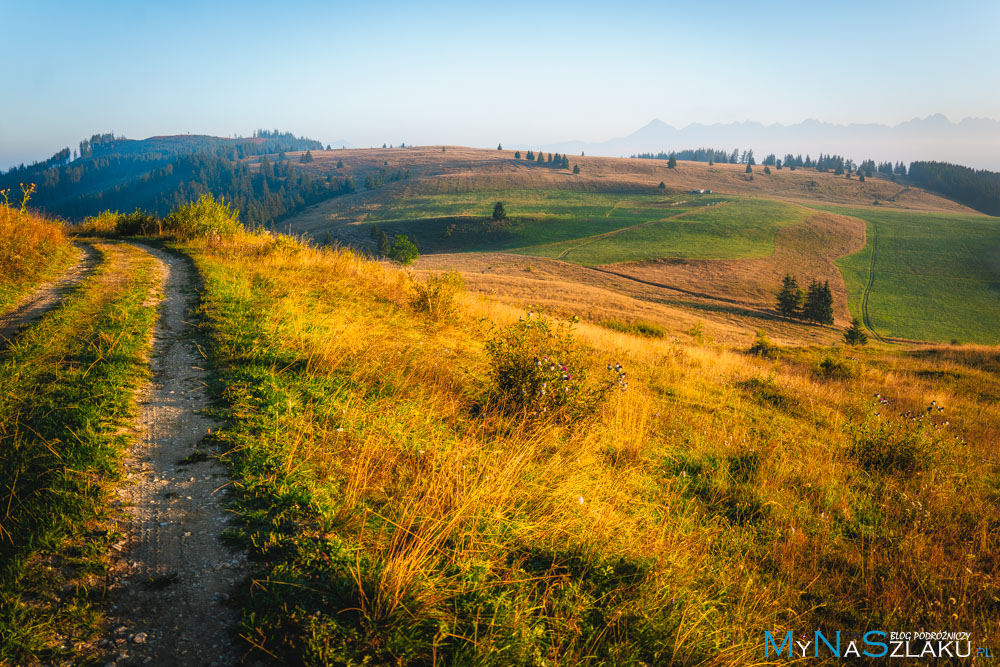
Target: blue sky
476, 73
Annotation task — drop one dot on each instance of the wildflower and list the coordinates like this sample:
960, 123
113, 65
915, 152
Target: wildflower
579, 499
340, 429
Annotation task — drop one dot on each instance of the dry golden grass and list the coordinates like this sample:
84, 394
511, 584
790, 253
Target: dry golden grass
729, 480
32, 248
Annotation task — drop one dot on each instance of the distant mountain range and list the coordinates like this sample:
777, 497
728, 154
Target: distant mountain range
974, 142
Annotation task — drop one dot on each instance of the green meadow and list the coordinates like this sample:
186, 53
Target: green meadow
731, 230
460, 222
937, 275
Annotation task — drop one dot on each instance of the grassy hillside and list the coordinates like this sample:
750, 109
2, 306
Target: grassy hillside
461, 222
739, 229
936, 276
404, 509
32, 249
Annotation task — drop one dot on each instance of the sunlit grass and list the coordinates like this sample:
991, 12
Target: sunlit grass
398, 516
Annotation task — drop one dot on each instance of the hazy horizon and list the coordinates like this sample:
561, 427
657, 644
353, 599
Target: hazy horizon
517, 74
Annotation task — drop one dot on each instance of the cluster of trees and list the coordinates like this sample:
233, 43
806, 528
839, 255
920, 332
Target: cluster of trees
383, 177
554, 160
977, 188
816, 306
400, 249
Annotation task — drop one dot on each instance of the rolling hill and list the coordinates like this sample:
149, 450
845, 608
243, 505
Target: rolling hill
654, 252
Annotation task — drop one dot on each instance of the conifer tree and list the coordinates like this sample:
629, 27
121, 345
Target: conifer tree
855, 335
384, 247
499, 147
498, 212
672, 162
576, 169
517, 155
789, 297
662, 185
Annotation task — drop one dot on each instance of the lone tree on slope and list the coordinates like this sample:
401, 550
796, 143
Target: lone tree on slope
855, 335
672, 162
499, 213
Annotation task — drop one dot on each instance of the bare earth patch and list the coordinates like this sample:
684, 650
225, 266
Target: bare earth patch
171, 576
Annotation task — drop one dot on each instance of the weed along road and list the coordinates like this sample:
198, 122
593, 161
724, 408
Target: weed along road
171, 576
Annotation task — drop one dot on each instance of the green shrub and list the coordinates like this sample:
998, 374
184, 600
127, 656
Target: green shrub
204, 218
138, 223
835, 368
637, 328
437, 295
763, 347
403, 251
537, 368
880, 445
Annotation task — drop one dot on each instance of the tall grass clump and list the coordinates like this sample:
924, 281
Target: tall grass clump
437, 296
32, 248
636, 328
206, 217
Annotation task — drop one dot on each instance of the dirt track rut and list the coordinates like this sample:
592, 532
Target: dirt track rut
47, 295
172, 577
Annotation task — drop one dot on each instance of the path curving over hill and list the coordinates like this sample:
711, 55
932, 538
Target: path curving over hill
172, 576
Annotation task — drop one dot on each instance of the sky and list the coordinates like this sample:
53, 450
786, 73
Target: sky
477, 72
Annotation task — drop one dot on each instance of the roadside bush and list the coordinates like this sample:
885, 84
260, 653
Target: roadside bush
104, 223
537, 368
138, 223
206, 217
436, 296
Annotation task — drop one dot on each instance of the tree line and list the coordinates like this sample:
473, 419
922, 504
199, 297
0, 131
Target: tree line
554, 160
976, 188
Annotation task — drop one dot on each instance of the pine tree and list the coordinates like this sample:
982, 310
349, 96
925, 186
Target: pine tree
789, 297
749, 169
499, 147
662, 185
826, 304
384, 247
576, 169
672, 162
819, 303
517, 155
340, 164
498, 212
855, 335
767, 171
